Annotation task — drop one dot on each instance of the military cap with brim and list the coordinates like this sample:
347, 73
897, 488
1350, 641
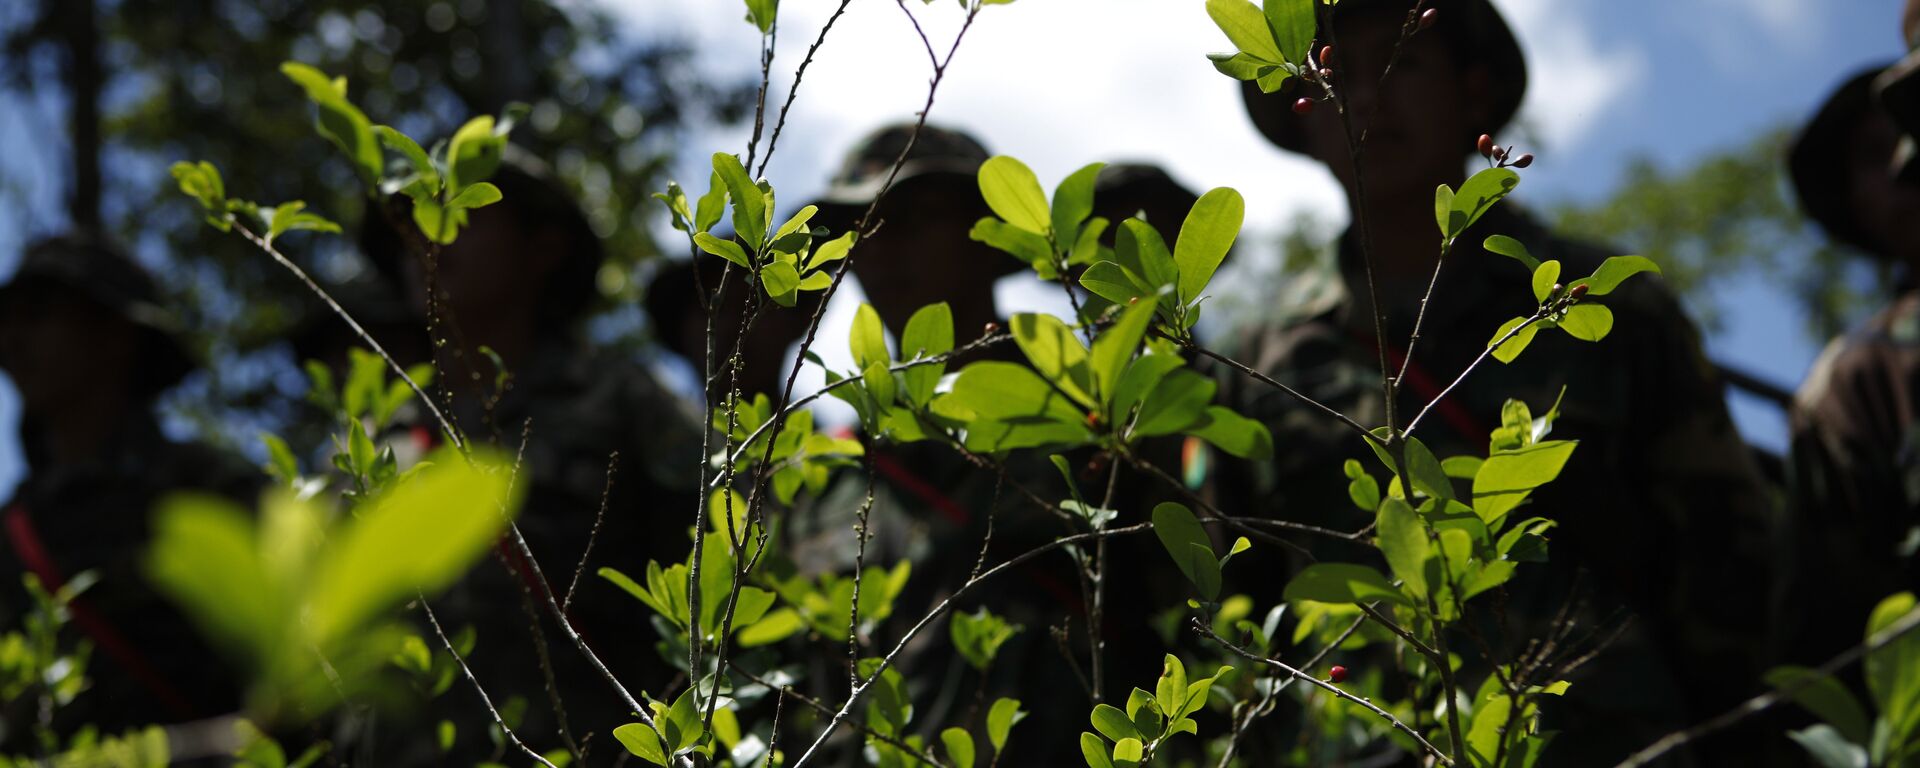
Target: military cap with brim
107, 277
1473, 30
1820, 169
938, 155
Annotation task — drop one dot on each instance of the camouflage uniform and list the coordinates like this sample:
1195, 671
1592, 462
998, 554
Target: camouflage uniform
1856, 481
1660, 505
1856, 453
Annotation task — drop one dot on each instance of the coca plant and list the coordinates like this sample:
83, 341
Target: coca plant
1113, 378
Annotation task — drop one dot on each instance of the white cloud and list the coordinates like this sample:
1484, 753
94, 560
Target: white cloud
1785, 20
1573, 78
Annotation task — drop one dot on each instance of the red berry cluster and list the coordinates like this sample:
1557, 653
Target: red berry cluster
1502, 157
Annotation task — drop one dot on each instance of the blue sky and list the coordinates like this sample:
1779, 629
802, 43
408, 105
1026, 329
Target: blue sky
1064, 82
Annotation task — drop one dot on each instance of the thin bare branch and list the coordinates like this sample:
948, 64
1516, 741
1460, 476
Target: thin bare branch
1245, 722
447, 644
1269, 381
773, 142
1292, 673
445, 425
606, 492
1766, 701
941, 610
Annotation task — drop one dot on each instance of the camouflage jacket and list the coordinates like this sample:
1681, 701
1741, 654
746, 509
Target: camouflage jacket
1661, 511
1856, 464
149, 663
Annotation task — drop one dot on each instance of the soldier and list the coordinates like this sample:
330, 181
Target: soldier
515, 288
83, 336
1856, 430
1660, 504
934, 507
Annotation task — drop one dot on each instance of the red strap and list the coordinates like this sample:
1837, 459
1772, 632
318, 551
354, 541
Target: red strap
26, 545
899, 475
1427, 388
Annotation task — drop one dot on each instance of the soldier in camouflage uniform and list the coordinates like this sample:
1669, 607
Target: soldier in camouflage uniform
519, 283
934, 507
1855, 423
84, 338
1660, 510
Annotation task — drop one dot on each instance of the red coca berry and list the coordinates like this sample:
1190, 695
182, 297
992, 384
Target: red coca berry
1339, 673
1303, 106
1132, 301
1326, 56
1485, 145
1523, 161
1093, 420
1325, 73
1578, 292
991, 329
1428, 19
1500, 153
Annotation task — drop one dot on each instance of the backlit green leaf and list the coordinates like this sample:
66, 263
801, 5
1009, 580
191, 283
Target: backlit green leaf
1236, 434
1246, 25
1114, 349
1292, 24
474, 152
1205, 238
928, 333
1509, 349
868, 341
1615, 270
959, 746
1053, 349
1017, 242
1073, 202
1014, 194
1513, 249
1506, 477
1479, 194
1180, 532
1000, 721
1587, 322
749, 203
1403, 539
1342, 583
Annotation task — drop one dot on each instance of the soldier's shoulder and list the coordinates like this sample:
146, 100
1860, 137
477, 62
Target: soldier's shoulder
1884, 348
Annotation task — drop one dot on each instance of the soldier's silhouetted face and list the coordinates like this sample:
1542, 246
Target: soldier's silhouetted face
497, 266
922, 254
1884, 207
1419, 127
61, 348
